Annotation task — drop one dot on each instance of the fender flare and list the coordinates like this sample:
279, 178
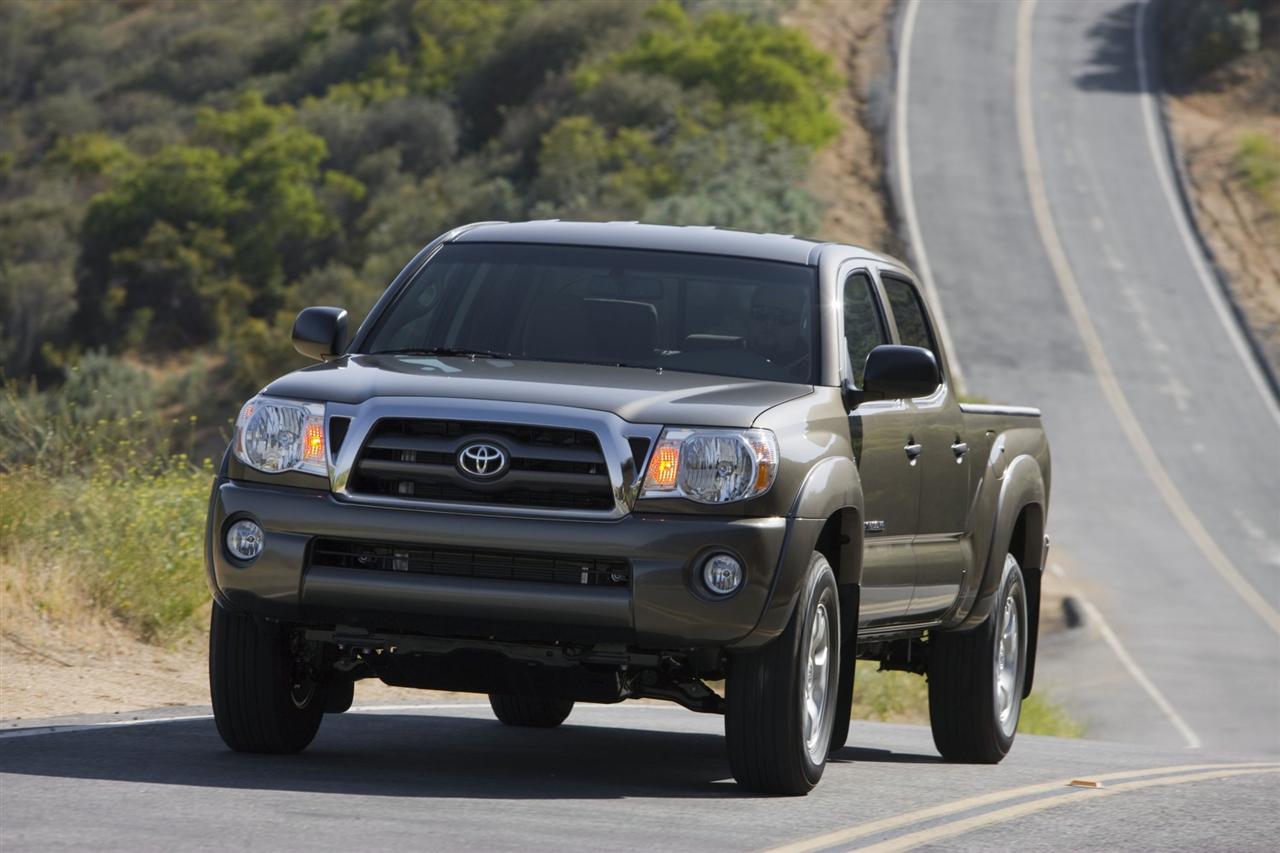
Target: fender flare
831, 486
1022, 485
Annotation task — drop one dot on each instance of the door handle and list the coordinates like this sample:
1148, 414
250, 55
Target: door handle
959, 449
913, 451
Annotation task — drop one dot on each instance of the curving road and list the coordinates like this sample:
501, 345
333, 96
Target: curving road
1032, 174
449, 777
1034, 188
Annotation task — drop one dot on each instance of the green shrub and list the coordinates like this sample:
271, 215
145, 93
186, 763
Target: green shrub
1258, 162
771, 73
1200, 36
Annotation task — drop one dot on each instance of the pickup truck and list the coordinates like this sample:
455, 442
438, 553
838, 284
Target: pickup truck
587, 462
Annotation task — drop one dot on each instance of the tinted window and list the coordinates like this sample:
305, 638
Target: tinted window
908, 313
698, 313
863, 328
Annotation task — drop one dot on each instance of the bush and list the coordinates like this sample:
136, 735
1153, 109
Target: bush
771, 73
1258, 162
1201, 36
132, 540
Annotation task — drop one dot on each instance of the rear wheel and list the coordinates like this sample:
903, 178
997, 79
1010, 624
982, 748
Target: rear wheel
976, 679
781, 700
529, 711
263, 700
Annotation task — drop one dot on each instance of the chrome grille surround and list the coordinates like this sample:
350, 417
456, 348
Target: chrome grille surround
613, 433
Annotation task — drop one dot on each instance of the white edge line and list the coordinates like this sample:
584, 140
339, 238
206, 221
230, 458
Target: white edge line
1164, 175
908, 195
1109, 636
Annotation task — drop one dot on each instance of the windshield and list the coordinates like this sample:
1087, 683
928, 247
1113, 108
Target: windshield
635, 308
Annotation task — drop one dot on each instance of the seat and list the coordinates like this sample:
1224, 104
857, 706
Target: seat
705, 342
559, 326
624, 330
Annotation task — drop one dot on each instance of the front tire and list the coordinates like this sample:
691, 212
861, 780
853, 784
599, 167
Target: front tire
529, 711
781, 700
256, 704
976, 679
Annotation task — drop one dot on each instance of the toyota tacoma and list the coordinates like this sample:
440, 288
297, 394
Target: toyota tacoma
588, 462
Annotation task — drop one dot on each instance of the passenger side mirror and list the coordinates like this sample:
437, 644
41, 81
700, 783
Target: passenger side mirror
320, 332
894, 372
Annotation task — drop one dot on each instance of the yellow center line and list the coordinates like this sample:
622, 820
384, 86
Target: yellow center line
1077, 797
862, 830
1092, 341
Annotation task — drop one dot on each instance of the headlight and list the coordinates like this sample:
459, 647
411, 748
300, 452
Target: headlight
712, 465
281, 435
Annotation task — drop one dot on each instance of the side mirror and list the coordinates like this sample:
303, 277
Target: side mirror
320, 332
895, 371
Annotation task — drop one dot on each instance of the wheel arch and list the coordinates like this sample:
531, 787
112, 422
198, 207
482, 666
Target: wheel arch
1018, 523
826, 516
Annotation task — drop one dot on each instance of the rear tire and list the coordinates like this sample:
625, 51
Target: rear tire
975, 690
781, 699
256, 707
338, 697
529, 711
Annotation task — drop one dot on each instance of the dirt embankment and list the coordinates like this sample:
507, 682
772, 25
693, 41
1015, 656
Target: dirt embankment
1226, 124
848, 175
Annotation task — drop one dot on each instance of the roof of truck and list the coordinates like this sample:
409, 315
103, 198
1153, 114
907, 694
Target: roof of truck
634, 235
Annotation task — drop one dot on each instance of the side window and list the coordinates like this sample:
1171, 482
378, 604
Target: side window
908, 313
863, 329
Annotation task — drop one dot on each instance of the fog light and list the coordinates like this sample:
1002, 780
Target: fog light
722, 574
245, 540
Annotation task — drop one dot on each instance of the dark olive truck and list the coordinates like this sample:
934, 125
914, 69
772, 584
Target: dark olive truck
567, 462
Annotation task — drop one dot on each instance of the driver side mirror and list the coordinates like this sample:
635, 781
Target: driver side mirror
320, 332
895, 372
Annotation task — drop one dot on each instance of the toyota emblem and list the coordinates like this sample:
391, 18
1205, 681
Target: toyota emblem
482, 460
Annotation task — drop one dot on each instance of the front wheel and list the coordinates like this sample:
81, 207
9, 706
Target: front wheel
976, 679
262, 700
781, 700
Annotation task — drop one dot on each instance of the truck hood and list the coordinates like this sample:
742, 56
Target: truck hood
639, 395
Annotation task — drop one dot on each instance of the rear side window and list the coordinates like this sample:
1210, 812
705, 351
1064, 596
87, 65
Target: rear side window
863, 328
908, 313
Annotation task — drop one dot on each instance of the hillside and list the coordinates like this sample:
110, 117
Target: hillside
1221, 65
177, 179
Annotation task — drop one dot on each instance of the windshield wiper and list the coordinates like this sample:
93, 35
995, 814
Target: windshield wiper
446, 351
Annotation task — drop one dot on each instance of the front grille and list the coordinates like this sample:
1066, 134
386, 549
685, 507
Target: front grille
469, 563
549, 467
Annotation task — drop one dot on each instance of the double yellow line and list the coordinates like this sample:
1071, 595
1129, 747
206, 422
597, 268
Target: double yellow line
1129, 780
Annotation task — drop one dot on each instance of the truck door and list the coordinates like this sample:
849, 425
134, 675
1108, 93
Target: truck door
941, 540
880, 431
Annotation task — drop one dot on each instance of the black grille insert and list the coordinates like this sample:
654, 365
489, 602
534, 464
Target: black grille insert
469, 563
549, 467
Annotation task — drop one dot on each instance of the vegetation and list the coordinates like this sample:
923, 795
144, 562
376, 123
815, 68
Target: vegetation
182, 177
177, 179
1200, 37
1258, 162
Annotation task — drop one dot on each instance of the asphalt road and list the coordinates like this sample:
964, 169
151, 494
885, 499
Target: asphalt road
449, 777
1067, 284
1042, 204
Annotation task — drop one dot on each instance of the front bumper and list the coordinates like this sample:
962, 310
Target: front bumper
661, 609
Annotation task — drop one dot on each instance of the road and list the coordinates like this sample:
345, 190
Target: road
1035, 193
449, 777
1041, 203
